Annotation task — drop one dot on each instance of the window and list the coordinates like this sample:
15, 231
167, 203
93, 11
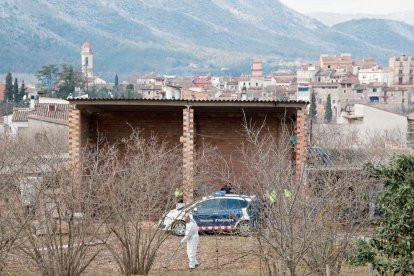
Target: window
208, 205
359, 91
51, 108
374, 99
374, 90
399, 80
232, 203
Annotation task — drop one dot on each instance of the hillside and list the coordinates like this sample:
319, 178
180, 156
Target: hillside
387, 35
165, 36
331, 19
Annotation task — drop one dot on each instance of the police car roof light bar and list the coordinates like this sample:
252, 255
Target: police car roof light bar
219, 193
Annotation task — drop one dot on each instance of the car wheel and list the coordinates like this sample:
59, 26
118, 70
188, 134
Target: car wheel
244, 229
178, 228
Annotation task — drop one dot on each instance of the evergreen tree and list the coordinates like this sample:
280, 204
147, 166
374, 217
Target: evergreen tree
69, 79
15, 90
9, 87
47, 75
21, 94
116, 80
312, 108
116, 87
328, 110
390, 247
129, 92
103, 93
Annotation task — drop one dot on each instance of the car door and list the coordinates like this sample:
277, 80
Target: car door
231, 211
204, 213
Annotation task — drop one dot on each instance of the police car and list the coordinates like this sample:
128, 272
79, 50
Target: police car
219, 211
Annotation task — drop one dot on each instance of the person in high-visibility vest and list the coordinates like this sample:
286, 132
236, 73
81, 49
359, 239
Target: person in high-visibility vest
288, 194
271, 196
178, 195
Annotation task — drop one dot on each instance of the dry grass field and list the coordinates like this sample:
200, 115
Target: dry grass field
217, 254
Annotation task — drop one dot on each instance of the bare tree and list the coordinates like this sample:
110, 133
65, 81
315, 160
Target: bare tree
343, 213
140, 189
51, 215
302, 223
12, 163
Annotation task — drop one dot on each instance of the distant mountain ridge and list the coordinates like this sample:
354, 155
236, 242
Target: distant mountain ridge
399, 36
331, 19
167, 36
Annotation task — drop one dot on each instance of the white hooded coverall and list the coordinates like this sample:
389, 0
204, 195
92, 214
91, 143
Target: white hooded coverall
191, 237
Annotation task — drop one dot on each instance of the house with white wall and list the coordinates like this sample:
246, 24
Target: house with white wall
172, 92
375, 74
371, 123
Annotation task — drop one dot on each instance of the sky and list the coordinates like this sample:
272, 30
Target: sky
350, 6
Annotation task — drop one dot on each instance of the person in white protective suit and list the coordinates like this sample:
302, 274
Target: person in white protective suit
191, 237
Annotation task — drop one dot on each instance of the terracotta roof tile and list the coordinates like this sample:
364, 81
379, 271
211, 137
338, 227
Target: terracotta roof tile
49, 112
20, 115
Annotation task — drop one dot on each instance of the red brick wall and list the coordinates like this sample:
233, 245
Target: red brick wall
167, 126
225, 131
220, 128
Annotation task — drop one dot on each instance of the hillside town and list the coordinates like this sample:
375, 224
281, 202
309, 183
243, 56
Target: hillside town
287, 172
357, 89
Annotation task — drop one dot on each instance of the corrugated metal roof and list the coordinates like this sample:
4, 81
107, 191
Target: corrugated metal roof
188, 101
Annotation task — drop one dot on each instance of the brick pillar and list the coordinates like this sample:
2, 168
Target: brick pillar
74, 153
74, 135
302, 141
188, 154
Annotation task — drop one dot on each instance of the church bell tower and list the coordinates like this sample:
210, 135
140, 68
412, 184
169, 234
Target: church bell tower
87, 62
